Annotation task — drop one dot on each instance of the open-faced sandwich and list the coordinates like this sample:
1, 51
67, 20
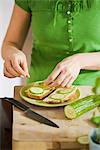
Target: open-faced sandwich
61, 95
38, 91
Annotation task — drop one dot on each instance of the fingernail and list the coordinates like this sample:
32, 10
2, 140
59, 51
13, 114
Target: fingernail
22, 76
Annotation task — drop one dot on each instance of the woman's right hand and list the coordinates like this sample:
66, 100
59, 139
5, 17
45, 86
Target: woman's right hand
15, 65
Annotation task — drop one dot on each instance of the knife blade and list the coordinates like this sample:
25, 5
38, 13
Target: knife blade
37, 117
28, 112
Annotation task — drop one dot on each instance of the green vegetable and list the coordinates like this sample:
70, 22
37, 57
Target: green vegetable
64, 91
96, 88
81, 106
83, 140
57, 96
96, 120
36, 90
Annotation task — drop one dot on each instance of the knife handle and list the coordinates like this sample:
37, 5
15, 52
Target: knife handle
16, 103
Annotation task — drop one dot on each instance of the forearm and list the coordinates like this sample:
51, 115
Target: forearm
17, 31
90, 61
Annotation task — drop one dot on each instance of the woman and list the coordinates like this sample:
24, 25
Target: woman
66, 46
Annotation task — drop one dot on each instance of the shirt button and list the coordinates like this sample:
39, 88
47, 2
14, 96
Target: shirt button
70, 40
69, 21
68, 12
69, 5
69, 31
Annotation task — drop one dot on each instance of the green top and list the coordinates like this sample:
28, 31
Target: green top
62, 28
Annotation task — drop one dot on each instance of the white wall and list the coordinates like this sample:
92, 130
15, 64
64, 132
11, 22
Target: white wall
6, 85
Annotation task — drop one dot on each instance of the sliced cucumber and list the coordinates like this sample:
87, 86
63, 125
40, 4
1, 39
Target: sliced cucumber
83, 140
36, 90
70, 111
57, 96
66, 90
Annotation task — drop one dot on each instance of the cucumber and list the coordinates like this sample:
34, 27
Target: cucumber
65, 91
83, 140
36, 90
81, 106
57, 96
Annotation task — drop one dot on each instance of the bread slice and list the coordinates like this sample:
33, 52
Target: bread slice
61, 95
38, 91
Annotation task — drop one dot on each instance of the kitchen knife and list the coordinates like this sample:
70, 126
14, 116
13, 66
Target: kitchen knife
30, 113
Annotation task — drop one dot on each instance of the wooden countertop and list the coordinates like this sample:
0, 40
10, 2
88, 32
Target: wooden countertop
26, 129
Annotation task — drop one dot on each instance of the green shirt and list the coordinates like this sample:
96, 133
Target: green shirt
62, 28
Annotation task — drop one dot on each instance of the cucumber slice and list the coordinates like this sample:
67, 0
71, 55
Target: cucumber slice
66, 90
57, 96
83, 140
69, 112
36, 90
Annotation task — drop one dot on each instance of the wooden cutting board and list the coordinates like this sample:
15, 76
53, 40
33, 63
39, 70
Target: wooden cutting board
26, 129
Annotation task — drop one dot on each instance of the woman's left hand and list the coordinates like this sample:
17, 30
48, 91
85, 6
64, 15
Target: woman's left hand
65, 72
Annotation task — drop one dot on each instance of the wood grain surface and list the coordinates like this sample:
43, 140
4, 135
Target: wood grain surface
26, 129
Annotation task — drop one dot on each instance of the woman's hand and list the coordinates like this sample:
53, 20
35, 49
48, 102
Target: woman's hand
15, 65
65, 72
